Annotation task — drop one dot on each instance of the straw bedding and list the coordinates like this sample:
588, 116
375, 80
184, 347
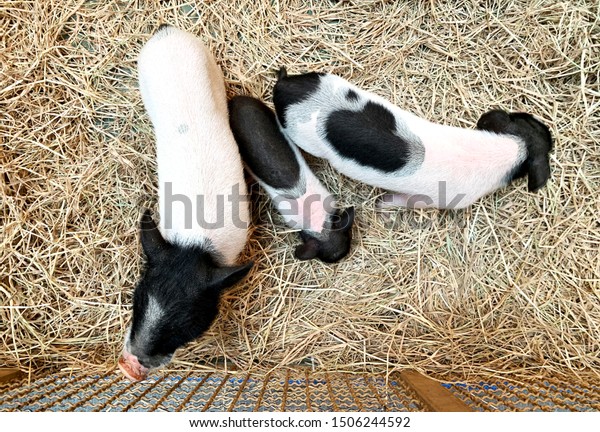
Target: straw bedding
510, 285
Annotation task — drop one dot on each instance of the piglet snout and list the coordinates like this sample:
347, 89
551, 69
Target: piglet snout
132, 368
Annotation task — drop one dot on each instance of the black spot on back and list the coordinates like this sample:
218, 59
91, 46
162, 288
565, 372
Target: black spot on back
351, 95
290, 90
262, 145
370, 137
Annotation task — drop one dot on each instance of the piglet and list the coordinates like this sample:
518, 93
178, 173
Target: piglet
297, 194
427, 164
191, 256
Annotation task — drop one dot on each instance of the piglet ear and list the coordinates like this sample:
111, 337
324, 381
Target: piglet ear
346, 219
494, 121
307, 250
153, 242
282, 73
225, 277
538, 173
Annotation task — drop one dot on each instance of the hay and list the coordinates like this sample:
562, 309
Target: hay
510, 285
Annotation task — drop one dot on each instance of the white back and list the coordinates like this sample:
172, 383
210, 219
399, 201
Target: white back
184, 93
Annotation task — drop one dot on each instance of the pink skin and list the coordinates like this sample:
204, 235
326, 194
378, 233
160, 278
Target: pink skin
310, 206
308, 211
131, 367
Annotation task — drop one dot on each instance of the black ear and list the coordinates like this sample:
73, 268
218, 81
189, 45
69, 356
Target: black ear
538, 173
225, 277
494, 121
346, 219
282, 73
152, 240
162, 27
307, 250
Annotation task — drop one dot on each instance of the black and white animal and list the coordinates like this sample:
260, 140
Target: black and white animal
283, 173
191, 257
426, 164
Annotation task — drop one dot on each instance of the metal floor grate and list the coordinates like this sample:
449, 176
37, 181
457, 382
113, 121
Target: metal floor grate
542, 395
212, 392
295, 391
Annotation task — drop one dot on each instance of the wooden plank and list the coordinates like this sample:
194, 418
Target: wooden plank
435, 396
8, 374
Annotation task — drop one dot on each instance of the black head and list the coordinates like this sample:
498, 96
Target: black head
537, 138
293, 89
333, 243
177, 298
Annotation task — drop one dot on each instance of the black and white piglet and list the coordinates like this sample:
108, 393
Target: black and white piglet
191, 257
282, 171
427, 164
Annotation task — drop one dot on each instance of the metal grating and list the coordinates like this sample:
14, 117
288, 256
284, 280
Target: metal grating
539, 395
212, 392
298, 390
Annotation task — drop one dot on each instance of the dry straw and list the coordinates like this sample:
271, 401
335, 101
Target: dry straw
508, 286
